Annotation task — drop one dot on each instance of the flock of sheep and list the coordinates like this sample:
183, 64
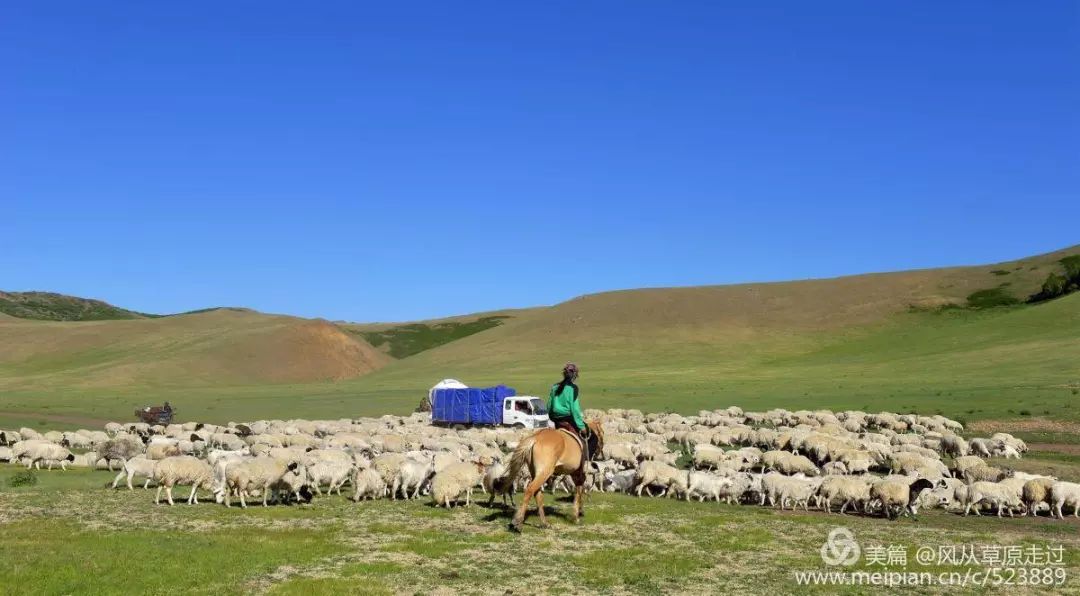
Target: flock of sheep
885, 464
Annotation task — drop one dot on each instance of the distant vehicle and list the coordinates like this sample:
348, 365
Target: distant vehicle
491, 406
155, 414
425, 404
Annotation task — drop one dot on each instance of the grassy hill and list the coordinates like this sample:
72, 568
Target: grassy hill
402, 340
77, 367
901, 341
48, 306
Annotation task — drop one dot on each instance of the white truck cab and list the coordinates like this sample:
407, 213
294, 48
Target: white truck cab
525, 411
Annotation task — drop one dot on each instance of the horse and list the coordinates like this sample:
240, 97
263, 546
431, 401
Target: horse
547, 452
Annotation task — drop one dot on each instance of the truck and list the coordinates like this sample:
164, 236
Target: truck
490, 406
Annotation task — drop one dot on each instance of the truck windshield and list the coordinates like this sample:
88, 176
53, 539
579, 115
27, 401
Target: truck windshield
538, 407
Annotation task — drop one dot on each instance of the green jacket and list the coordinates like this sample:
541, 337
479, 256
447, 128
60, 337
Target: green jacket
566, 404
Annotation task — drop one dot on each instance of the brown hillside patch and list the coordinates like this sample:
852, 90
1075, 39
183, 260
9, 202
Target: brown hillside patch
1065, 448
84, 421
211, 348
306, 351
1026, 425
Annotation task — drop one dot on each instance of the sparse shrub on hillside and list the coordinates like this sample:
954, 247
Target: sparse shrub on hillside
1057, 284
49, 306
1053, 287
999, 272
1072, 266
991, 298
23, 478
406, 340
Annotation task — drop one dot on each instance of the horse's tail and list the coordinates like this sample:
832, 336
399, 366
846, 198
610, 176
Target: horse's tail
522, 456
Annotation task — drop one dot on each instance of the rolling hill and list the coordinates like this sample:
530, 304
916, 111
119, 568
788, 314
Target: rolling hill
913, 339
49, 306
216, 347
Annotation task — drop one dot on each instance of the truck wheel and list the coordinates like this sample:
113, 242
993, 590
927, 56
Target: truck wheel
459, 427
519, 426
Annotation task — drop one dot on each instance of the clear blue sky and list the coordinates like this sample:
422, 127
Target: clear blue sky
398, 160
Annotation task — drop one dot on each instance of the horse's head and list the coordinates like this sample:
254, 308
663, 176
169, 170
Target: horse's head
596, 428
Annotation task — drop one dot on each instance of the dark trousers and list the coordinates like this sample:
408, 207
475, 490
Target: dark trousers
590, 441
566, 422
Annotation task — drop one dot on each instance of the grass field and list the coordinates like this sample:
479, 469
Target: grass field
1009, 363
69, 534
869, 342
878, 342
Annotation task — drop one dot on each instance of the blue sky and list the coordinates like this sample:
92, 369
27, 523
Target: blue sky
393, 161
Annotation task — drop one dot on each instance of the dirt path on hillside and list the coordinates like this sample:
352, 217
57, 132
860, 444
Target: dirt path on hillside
79, 420
1064, 448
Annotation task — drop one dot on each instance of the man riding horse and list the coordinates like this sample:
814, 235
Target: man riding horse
564, 450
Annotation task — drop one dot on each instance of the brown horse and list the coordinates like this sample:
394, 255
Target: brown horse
547, 452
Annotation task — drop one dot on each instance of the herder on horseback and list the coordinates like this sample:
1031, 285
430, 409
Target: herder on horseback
564, 450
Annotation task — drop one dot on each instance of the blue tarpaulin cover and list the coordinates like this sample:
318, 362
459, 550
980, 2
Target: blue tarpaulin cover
470, 406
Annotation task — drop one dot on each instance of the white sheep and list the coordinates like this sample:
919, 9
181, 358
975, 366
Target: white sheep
983, 447
796, 464
136, 466
857, 461
899, 495
334, 473
262, 473
368, 484
48, 453
913, 463
180, 470
159, 451
993, 494
653, 473
847, 490
387, 466
954, 445
962, 463
1062, 494
1036, 492
411, 474
1007, 439
779, 488
834, 468
1007, 451
497, 481
29, 434
705, 485
19, 449
454, 480
215, 455
985, 473
739, 486
621, 481
707, 456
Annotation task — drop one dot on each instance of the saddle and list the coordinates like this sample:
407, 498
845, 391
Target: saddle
583, 445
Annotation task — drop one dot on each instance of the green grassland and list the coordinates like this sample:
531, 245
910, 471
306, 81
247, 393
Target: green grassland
895, 341
996, 363
70, 534
910, 341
